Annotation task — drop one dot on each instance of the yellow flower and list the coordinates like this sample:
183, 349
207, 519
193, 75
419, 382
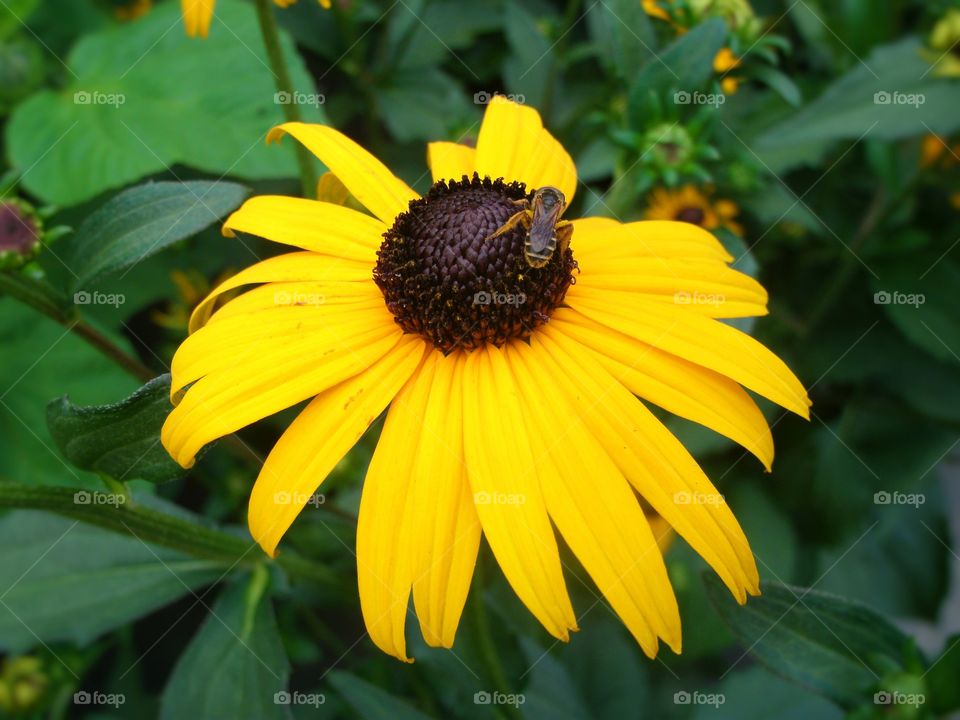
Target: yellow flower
653, 8
130, 10
689, 205
934, 150
945, 43
511, 391
197, 14
723, 63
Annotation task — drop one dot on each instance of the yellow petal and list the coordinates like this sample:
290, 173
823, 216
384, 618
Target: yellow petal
450, 161
678, 386
704, 286
595, 237
704, 341
657, 465
267, 377
514, 145
600, 520
384, 531
291, 267
279, 295
506, 491
312, 225
368, 179
197, 15
319, 438
447, 529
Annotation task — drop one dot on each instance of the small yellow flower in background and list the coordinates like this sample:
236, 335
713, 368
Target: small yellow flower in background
511, 391
945, 45
23, 684
689, 205
129, 10
935, 150
724, 62
197, 14
192, 286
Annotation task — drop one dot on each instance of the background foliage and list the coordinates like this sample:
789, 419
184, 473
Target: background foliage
120, 576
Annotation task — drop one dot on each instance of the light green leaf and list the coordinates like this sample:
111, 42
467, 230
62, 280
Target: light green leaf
67, 581
829, 644
889, 95
146, 98
235, 666
121, 441
142, 221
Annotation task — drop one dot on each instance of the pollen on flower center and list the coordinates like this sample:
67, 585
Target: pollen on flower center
442, 277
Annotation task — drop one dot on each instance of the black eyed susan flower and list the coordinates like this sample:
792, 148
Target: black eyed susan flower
511, 390
197, 14
688, 204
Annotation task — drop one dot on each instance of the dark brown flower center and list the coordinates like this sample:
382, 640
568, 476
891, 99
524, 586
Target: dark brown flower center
693, 215
444, 278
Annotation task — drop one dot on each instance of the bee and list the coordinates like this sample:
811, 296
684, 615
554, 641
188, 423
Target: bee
540, 218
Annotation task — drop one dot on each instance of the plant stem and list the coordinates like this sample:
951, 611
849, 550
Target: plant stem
33, 294
488, 650
278, 64
157, 527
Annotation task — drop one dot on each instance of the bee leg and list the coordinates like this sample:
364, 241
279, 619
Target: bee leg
521, 218
563, 231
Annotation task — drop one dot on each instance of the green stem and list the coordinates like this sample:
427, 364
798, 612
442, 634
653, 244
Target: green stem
488, 650
278, 64
32, 293
157, 527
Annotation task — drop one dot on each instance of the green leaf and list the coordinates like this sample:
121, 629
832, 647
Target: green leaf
750, 694
67, 581
685, 65
145, 98
942, 678
551, 692
529, 68
864, 101
622, 34
918, 293
829, 644
235, 666
121, 441
423, 104
141, 221
13, 13
371, 702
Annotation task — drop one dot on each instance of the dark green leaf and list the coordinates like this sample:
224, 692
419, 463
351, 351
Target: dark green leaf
143, 97
942, 678
235, 666
622, 34
684, 66
529, 68
142, 221
121, 441
834, 646
750, 694
66, 581
371, 702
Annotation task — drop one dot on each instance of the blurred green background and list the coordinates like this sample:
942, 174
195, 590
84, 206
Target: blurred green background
819, 140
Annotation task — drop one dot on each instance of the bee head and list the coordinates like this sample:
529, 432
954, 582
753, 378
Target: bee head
549, 197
